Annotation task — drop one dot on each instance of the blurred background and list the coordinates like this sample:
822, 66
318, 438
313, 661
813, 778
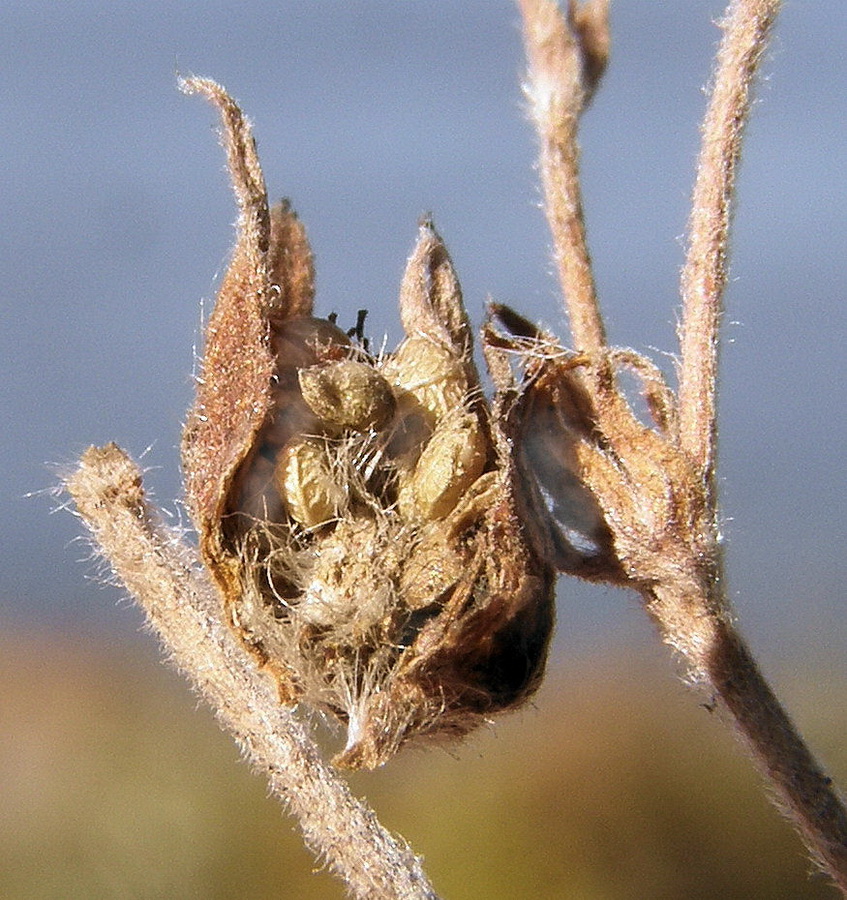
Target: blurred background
614, 783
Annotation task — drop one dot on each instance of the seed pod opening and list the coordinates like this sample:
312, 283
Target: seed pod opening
359, 512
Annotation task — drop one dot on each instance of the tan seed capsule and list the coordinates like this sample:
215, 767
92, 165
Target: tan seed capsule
419, 601
433, 374
348, 394
304, 480
450, 463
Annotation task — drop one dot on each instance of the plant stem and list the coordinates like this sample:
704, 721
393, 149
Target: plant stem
721, 660
556, 91
746, 25
805, 794
160, 570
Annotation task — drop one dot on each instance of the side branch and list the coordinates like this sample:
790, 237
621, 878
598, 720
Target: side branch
566, 55
184, 609
746, 29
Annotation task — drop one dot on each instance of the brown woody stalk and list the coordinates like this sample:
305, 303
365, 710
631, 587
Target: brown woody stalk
161, 571
656, 486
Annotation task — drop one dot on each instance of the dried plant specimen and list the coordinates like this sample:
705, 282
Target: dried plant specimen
654, 485
361, 514
382, 540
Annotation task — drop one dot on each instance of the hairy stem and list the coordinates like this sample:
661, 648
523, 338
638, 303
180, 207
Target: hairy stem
556, 89
721, 661
712, 646
186, 612
746, 25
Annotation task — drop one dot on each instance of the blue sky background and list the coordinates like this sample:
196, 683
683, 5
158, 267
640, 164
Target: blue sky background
118, 215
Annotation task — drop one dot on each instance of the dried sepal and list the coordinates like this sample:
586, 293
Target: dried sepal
290, 265
234, 388
359, 513
431, 299
623, 502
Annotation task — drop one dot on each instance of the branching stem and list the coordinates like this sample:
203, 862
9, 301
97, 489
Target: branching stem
657, 486
801, 788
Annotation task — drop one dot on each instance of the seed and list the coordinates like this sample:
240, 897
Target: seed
304, 479
432, 373
449, 464
348, 394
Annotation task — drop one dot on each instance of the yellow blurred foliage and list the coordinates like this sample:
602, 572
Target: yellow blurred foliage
614, 786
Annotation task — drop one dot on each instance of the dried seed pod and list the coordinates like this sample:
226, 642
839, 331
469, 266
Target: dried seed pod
348, 394
551, 424
401, 619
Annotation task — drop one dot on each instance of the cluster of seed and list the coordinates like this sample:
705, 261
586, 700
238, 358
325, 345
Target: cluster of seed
396, 434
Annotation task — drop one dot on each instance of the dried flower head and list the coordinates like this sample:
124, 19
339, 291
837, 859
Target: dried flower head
360, 513
383, 541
